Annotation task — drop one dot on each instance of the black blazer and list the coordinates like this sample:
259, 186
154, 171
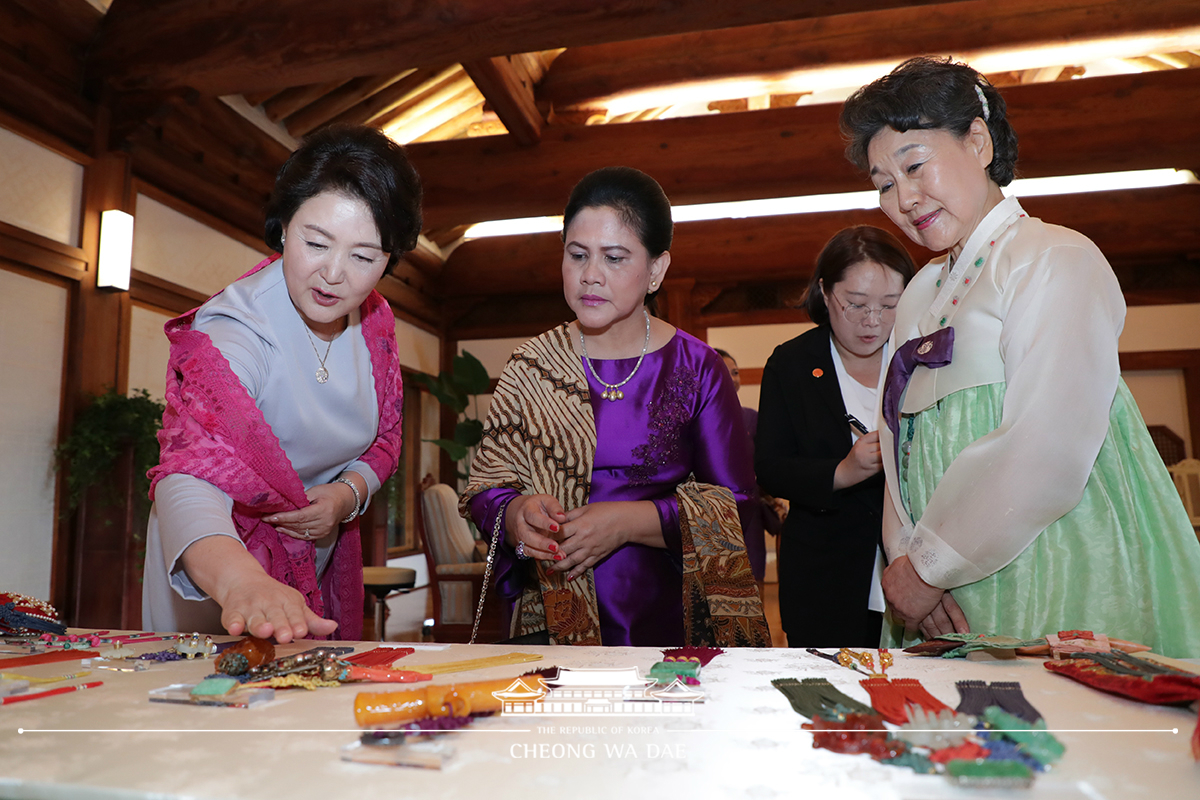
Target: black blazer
827, 552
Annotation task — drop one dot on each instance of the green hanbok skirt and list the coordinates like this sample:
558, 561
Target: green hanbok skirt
1124, 562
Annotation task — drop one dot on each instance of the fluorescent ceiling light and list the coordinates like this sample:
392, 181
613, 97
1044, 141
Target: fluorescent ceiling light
852, 201
1104, 54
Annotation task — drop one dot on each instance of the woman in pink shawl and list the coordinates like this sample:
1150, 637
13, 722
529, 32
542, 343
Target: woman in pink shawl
284, 408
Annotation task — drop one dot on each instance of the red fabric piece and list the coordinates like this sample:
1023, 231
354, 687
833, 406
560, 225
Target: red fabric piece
213, 430
891, 698
1159, 690
47, 658
379, 656
967, 750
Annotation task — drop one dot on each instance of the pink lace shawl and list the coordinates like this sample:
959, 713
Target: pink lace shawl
213, 430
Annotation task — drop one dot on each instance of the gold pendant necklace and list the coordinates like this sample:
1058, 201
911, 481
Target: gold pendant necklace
612, 391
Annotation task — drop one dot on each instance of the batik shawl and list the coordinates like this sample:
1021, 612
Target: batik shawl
540, 438
213, 430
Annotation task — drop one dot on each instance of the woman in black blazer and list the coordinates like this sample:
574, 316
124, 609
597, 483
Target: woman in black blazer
808, 452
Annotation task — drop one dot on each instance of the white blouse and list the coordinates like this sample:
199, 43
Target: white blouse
322, 428
1038, 308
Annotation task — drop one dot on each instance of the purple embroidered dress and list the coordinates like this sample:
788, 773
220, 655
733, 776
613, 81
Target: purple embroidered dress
680, 417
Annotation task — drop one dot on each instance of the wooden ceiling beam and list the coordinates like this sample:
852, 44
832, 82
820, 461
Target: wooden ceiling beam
1105, 124
338, 101
588, 76
289, 101
231, 46
47, 104
510, 95
784, 248
405, 90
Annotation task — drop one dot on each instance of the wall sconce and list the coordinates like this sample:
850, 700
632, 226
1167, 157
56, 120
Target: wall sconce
116, 250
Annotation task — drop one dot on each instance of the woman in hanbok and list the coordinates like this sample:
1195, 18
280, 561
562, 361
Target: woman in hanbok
1025, 496
614, 474
284, 408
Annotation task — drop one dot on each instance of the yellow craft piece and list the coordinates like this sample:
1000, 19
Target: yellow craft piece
293, 681
475, 663
12, 676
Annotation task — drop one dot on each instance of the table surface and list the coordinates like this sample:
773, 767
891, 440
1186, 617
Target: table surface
744, 740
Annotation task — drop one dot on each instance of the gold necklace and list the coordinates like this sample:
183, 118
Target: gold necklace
612, 391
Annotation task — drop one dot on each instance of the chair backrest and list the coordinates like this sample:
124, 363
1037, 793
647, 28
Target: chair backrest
1186, 475
446, 533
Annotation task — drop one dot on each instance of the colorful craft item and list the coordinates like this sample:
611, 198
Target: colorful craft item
1140, 680
937, 730
321, 668
22, 615
692, 653
20, 698
449, 667
192, 647
1031, 738
960, 645
665, 672
380, 709
891, 698
967, 751
379, 656
990, 774
215, 688
813, 697
1066, 643
245, 654
977, 696
52, 657
857, 733
55, 679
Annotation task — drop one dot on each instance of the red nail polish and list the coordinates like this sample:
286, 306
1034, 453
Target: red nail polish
553, 528
553, 547
559, 557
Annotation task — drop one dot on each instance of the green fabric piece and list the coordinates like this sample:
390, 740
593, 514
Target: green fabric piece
813, 697
914, 761
671, 669
1032, 738
1123, 562
990, 774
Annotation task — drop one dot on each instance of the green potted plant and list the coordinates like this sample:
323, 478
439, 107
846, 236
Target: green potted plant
459, 388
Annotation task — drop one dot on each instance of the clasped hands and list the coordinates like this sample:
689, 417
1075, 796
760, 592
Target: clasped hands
930, 609
329, 504
576, 540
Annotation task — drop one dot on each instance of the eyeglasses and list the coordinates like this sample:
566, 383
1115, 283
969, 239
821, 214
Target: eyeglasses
855, 313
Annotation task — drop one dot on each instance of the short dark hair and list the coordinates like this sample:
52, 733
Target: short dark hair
361, 162
725, 354
848, 247
925, 93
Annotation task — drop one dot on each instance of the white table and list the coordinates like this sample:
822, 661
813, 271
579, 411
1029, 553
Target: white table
744, 741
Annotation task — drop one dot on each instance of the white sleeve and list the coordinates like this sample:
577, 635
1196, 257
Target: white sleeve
189, 509
1059, 345
245, 351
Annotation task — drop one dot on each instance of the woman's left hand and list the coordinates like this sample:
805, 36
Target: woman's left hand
911, 599
327, 507
593, 531
946, 617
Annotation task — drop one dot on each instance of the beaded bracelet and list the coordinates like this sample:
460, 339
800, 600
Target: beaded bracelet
357, 498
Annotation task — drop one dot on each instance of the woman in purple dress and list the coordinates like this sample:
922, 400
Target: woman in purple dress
614, 474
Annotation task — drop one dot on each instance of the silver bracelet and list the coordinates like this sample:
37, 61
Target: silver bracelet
357, 500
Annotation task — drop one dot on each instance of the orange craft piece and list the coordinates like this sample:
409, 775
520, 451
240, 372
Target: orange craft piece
244, 656
448, 700
382, 675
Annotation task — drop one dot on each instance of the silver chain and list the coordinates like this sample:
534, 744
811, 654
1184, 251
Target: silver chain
322, 373
487, 571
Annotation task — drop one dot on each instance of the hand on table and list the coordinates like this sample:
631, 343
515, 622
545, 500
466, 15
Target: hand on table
911, 599
264, 607
535, 520
329, 504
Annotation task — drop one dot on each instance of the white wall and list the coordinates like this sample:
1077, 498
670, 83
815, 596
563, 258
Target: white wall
148, 351
177, 248
33, 320
43, 192
1174, 327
